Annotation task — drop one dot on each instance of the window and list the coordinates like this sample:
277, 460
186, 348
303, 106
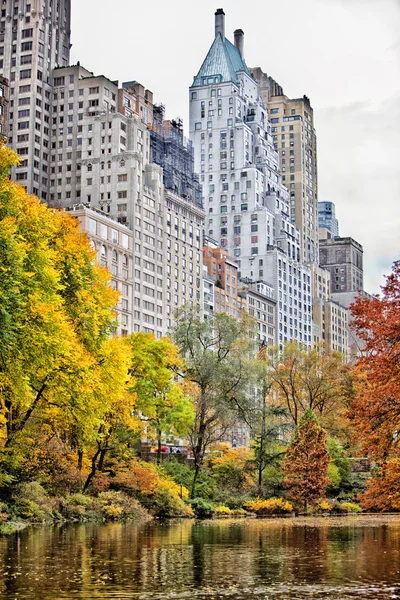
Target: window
197, 126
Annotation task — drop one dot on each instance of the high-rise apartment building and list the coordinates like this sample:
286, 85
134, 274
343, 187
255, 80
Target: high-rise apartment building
113, 243
34, 39
101, 157
327, 219
292, 128
246, 202
343, 257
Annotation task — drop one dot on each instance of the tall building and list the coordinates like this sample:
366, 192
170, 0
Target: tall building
292, 128
327, 219
343, 258
34, 39
102, 158
113, 243
246, 202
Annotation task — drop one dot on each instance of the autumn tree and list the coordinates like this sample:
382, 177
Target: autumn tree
315, 379
217, 370
160, 398
306, 462
57, 367
375, 410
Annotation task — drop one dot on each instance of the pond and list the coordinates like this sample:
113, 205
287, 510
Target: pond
249, 559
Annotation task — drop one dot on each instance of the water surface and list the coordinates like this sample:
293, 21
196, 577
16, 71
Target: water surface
343, 558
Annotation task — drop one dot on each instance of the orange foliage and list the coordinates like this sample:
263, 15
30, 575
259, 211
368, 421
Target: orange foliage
383, 489
375, 411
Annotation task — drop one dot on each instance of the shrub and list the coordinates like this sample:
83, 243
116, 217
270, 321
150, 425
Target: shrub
114, 505
272, 506
32, 502
76, 507
349, 507
202, 509
323, 506
223, 510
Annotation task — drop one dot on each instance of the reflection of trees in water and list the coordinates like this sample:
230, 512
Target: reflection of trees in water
79, 560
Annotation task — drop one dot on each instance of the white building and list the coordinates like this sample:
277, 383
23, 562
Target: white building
246, 203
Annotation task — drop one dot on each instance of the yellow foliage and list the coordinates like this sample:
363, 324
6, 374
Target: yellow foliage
269, 507
223, 510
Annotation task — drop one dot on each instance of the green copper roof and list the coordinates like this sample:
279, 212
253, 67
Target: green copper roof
223, 61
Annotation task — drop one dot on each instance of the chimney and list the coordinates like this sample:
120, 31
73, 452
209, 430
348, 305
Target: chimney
220, 22
239, 41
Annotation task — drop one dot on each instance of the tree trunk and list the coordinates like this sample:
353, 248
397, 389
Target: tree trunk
80, 459
93, 471
158, 446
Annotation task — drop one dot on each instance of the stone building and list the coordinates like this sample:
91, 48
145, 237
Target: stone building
34, 39
343, 258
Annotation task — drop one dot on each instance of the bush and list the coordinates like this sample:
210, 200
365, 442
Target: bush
349, 507
32, 502
115, 505
223, 510
324, 506
202, 509
272, 506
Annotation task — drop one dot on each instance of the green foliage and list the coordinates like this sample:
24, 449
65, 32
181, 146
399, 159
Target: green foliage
202, 509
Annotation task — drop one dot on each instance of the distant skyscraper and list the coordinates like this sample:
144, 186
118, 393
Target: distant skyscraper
34, 39
247, 205
327, 218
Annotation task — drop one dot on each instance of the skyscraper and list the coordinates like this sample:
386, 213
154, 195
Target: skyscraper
246, 202
34, 38
327, 219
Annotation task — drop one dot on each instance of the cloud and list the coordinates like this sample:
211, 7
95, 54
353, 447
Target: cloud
359, 172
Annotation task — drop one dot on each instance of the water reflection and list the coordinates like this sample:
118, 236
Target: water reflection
342, 558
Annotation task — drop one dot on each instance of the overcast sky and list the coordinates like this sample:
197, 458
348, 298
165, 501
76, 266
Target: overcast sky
343, 54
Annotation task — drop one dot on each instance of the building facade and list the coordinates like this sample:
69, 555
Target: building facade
102, 159
343, 258
34, 39
293, 132
113, 243
246, 202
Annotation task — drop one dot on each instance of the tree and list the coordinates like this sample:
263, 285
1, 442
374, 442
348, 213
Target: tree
160, 399
59, 370
269, 422
306, 462
375, 410
310, 379
217, 372
383, 489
